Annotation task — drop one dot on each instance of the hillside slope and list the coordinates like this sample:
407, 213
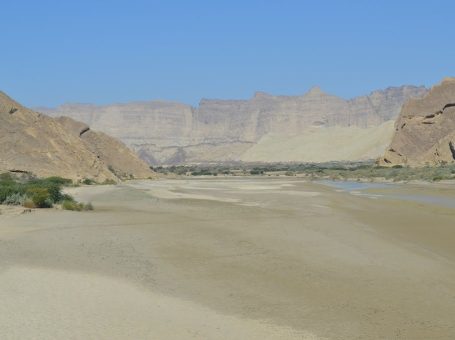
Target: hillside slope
425, 129
32, 142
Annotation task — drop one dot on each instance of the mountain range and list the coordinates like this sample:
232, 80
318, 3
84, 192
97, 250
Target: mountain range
312, 127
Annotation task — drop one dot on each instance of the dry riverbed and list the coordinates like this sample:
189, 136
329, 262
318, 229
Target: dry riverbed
233, 258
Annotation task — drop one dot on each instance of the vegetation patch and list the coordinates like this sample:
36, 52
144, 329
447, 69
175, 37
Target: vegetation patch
362, 171
32, 192
109, 182
88, 181
69, 204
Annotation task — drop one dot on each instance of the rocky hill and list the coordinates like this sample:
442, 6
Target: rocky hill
425, 129
227, 130
44, 146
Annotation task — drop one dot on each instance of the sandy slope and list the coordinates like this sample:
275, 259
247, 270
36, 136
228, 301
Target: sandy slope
322, 144
230, 259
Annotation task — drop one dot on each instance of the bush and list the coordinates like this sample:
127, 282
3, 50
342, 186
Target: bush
32, 192
75, 206
71, 205
15, 199
88, 181
109, 182
256, 172
53, 190
28, 203
40, 197
6, 191
58, 180
66, 197
53, 185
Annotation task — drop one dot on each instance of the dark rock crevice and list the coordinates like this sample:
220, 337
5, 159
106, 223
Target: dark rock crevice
84, 131
447, 106
452, 149
18, 171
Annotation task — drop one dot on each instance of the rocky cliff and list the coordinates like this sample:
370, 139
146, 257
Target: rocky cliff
44, 146
225, 130
425, 129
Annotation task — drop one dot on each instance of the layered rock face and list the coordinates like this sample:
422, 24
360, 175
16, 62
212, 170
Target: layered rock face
44, 146
425, 129
225, 130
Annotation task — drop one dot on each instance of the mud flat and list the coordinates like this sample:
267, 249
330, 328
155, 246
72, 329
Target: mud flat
233, 259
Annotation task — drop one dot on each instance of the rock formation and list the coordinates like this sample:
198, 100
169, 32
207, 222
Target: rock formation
425, 130
35, 143
225, 130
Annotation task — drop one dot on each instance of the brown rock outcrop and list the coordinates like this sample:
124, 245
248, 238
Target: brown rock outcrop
35, 143
425, 129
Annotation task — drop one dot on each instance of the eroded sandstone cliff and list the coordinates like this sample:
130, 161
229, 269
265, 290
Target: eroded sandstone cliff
225, 130
425, 129
44, 146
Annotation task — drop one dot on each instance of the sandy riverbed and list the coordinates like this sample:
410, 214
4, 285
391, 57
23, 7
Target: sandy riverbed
231, 259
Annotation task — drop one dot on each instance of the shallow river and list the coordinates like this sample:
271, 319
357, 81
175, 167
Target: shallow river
439, 195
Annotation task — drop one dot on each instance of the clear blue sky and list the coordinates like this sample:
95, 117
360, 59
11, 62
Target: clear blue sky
115, 51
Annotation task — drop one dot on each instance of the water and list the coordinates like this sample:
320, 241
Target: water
354, 186
395, 191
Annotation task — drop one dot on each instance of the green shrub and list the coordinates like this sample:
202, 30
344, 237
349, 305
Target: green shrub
53, 185
32, 192
109, 182
71, 205
75, 206
66, 197
28, 203
59, 180
52, 189
40, 197
6, 191
15, 199
88, 181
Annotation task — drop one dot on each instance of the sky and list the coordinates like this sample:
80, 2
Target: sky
60, 51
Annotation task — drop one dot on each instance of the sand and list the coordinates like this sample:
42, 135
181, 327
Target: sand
231, 258
323, 144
